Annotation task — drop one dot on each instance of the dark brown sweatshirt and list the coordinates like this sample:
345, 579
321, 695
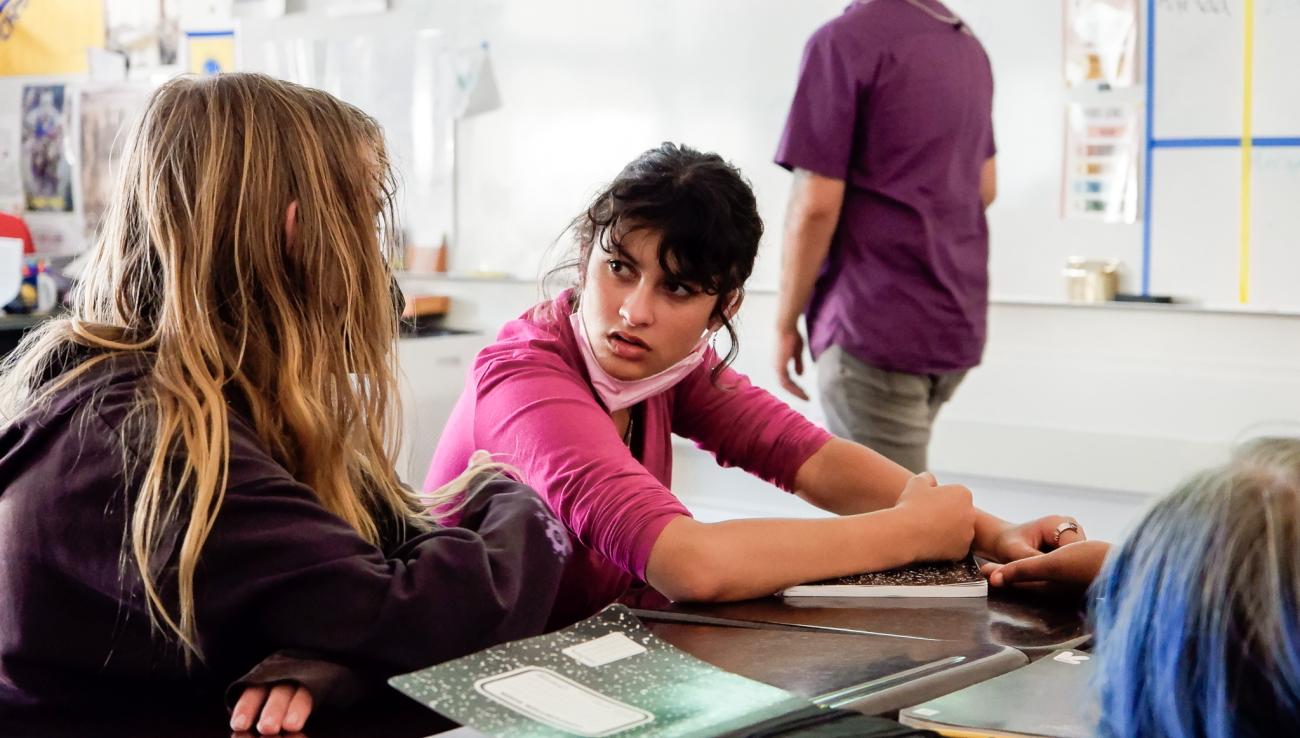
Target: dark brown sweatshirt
278, 574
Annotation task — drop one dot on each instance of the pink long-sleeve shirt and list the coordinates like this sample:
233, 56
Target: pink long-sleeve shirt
529, 402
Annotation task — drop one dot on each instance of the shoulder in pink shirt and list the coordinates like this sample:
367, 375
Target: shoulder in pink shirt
528, 402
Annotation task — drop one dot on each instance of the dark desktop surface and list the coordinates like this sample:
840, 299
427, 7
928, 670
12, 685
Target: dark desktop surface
895, 636
1036, 624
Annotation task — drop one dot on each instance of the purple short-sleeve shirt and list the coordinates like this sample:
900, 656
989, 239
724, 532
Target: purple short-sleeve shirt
898, 104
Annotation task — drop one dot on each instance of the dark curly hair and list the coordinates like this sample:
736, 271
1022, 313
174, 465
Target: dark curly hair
704, 212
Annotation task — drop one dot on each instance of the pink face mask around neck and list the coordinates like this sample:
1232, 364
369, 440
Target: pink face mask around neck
618, 394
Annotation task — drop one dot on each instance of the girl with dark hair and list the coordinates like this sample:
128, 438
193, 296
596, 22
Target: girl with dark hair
583, 393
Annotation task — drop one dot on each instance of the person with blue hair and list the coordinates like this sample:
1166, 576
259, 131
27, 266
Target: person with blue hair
1197, 613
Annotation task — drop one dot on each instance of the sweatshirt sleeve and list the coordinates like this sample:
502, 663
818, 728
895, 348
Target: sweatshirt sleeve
745, 426
332, 686
280, 573
536, 413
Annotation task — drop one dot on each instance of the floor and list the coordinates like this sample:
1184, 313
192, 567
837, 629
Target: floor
713, 493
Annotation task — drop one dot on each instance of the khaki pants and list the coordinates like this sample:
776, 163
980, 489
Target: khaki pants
890, 412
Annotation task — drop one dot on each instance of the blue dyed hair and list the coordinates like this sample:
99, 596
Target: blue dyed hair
1196, 614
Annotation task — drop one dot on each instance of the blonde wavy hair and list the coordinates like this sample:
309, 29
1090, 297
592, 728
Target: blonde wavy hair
196, 272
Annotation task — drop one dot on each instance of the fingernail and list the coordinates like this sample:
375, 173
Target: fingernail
292, 722
239, 722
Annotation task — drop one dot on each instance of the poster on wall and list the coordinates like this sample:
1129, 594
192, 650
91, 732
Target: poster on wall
44, 162
1101, 162
106, 115
209, 52
1101, 42
43, 37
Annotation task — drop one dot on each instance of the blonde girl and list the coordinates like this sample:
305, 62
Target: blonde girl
196, 465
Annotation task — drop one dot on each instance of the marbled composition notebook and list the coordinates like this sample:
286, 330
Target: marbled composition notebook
607, 675
941, 579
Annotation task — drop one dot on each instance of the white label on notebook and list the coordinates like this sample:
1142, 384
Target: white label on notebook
924, 712
604, 650
560, 702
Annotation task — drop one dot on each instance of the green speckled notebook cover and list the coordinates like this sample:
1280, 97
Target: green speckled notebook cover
605, 676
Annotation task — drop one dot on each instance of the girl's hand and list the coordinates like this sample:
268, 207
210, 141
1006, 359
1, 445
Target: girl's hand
283, 707
944, 517
1031, 539
1072, 566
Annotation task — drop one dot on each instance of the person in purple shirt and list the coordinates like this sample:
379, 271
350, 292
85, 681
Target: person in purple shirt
196, 487
890, 139
582, 395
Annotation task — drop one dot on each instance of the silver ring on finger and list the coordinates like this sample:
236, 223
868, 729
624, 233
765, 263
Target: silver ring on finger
1067, 525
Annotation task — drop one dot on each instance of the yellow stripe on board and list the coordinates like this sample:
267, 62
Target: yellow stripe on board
1247, 97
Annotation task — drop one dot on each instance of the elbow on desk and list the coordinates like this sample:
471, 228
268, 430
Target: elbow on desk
693, 587
685, 565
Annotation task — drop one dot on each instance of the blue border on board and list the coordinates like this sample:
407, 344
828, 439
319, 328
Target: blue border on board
1212, 143
202, 34
1268, 142
1195, 143
1148, 172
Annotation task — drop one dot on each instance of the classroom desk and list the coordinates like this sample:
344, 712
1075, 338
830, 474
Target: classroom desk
849, 652
970, 643
869, 673
1033, 624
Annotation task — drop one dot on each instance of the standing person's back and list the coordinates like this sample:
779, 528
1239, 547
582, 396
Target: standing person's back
893, 110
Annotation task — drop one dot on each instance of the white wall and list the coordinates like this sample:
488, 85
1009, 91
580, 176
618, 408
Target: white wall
586, 85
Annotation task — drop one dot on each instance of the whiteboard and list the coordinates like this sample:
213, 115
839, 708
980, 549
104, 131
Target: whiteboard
1198, 71
1277, 91
1193, 255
